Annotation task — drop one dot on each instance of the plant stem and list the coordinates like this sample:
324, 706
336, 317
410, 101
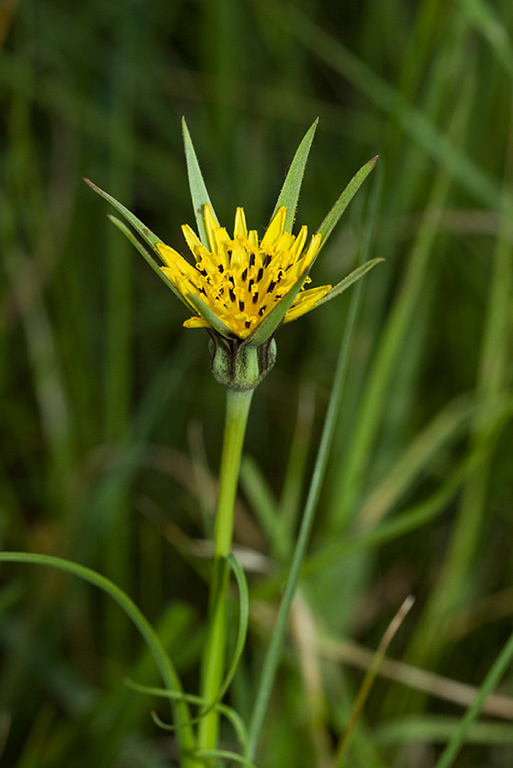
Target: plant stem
237, 410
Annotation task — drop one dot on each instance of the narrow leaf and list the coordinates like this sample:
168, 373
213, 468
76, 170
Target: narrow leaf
292, 185
243, 623
147, 235
146, 255
345, 198
223, 754
351, 278
185, 734
269, 324
199, 193
211, 318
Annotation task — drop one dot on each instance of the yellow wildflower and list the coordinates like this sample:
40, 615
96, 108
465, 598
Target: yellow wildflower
241, 279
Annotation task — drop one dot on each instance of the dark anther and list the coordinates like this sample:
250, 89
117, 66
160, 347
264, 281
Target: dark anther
232, 295
244, 274
260, 274
241, 305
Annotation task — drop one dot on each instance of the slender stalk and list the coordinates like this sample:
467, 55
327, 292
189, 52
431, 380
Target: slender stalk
237, 410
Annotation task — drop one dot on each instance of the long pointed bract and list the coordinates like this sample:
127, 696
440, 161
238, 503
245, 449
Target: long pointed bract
147, 235
199, 193
292, 185
269, 324
147, 256
210, 316
351, 278
345, 198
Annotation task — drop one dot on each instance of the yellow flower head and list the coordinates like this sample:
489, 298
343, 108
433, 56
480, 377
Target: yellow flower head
239, 288
239, 278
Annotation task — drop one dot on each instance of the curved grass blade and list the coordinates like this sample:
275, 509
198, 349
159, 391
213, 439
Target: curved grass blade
224, 754
243, 621
169, 675
292, 185
199, 193
239, 648
231, 715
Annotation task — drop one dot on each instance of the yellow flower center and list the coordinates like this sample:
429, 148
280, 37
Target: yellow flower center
241, 279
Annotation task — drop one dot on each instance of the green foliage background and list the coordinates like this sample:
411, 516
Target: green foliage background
110, 422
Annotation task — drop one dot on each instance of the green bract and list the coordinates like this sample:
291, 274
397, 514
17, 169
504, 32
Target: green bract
242, 288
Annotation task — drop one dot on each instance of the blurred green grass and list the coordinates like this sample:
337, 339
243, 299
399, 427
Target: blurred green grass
111, 421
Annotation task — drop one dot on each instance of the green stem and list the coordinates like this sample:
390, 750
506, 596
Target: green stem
237, 410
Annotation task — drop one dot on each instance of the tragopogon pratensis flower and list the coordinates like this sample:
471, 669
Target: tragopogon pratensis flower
240, 279
240, 288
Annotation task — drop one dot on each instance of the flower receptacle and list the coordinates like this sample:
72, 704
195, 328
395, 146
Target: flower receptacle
241, 366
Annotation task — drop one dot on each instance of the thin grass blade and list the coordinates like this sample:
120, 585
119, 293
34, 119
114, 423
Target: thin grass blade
164, 663
490, 683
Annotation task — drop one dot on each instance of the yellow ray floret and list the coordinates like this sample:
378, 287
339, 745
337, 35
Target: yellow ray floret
241, 279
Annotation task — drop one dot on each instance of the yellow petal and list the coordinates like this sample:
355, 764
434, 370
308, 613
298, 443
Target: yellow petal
196, 322
211, 225
169, 255
299, 243
275, 228
313, 248
240, 229
193, 241
305, 302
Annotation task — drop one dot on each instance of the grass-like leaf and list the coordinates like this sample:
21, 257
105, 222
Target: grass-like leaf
166, 668
231, 715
